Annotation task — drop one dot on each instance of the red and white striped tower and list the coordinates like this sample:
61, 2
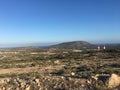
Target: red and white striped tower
104, 47
98, 48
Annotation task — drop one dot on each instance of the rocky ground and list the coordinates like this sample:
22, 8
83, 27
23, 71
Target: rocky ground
51, 69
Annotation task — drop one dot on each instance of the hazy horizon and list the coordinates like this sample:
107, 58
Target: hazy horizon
43, 44
48, 21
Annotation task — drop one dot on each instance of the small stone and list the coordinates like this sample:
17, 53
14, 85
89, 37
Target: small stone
37, 80
62, 77
73, 74
28, 88
3, 88
23, 84
56, 62
82, 85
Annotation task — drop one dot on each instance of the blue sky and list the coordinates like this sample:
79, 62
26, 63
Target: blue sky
33, 21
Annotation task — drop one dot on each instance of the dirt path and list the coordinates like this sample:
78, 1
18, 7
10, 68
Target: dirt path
29, 69
17, 70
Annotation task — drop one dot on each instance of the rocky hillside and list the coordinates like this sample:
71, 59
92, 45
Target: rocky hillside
73, 45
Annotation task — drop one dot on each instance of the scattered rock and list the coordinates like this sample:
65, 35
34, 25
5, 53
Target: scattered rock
60, 82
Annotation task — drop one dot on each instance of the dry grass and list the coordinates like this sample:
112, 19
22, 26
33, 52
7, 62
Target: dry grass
57, 66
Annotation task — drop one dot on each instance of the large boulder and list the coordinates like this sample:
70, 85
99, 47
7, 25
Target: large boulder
114, 81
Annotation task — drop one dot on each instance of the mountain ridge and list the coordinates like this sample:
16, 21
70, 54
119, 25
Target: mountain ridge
73, 45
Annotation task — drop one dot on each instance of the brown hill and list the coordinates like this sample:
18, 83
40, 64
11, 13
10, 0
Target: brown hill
73, 45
